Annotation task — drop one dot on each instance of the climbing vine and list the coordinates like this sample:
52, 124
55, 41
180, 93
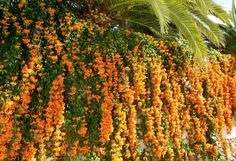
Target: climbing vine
71, 89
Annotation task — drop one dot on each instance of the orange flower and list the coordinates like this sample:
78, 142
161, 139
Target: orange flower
21, 4
54, 58
51, 11
3, 152
1, 66
82, 131
26, 31
14, 78
73, 150
72, 91
135, 49
63, 149
26, 41
42, 4
84, 150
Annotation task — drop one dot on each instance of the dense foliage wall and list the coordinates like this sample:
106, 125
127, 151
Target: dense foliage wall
69, 88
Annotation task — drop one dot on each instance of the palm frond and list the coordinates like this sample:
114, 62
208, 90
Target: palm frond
122, 4
153, 27
144, 18
161, 11
186, 25
217, 11
158, 7
233, 13
209, 29
230, 36
202, 4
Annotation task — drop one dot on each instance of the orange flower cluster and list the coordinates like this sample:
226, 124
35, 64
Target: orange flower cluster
106, 124
87, 72
55, 114
156, 108
139, 69
73, 151
121, 113
68, 63
100, 65
29, 80
29, 153
6, 122
30, 71
21, 4
83, 130
119, 141
132, 130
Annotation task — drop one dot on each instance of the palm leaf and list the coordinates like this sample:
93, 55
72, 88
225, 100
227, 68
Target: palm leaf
186, 25
233, 13
154, 28
158, 7
161, 11
218, 11
202, 4
120, 5
209, 29
230, 35
144, 18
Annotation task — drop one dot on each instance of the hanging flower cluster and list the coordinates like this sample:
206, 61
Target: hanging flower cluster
72, 90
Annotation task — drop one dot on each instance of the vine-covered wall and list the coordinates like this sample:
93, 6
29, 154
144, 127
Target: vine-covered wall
71, 89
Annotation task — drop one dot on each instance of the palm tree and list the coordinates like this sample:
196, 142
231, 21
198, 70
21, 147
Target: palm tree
187, 18
230, 32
